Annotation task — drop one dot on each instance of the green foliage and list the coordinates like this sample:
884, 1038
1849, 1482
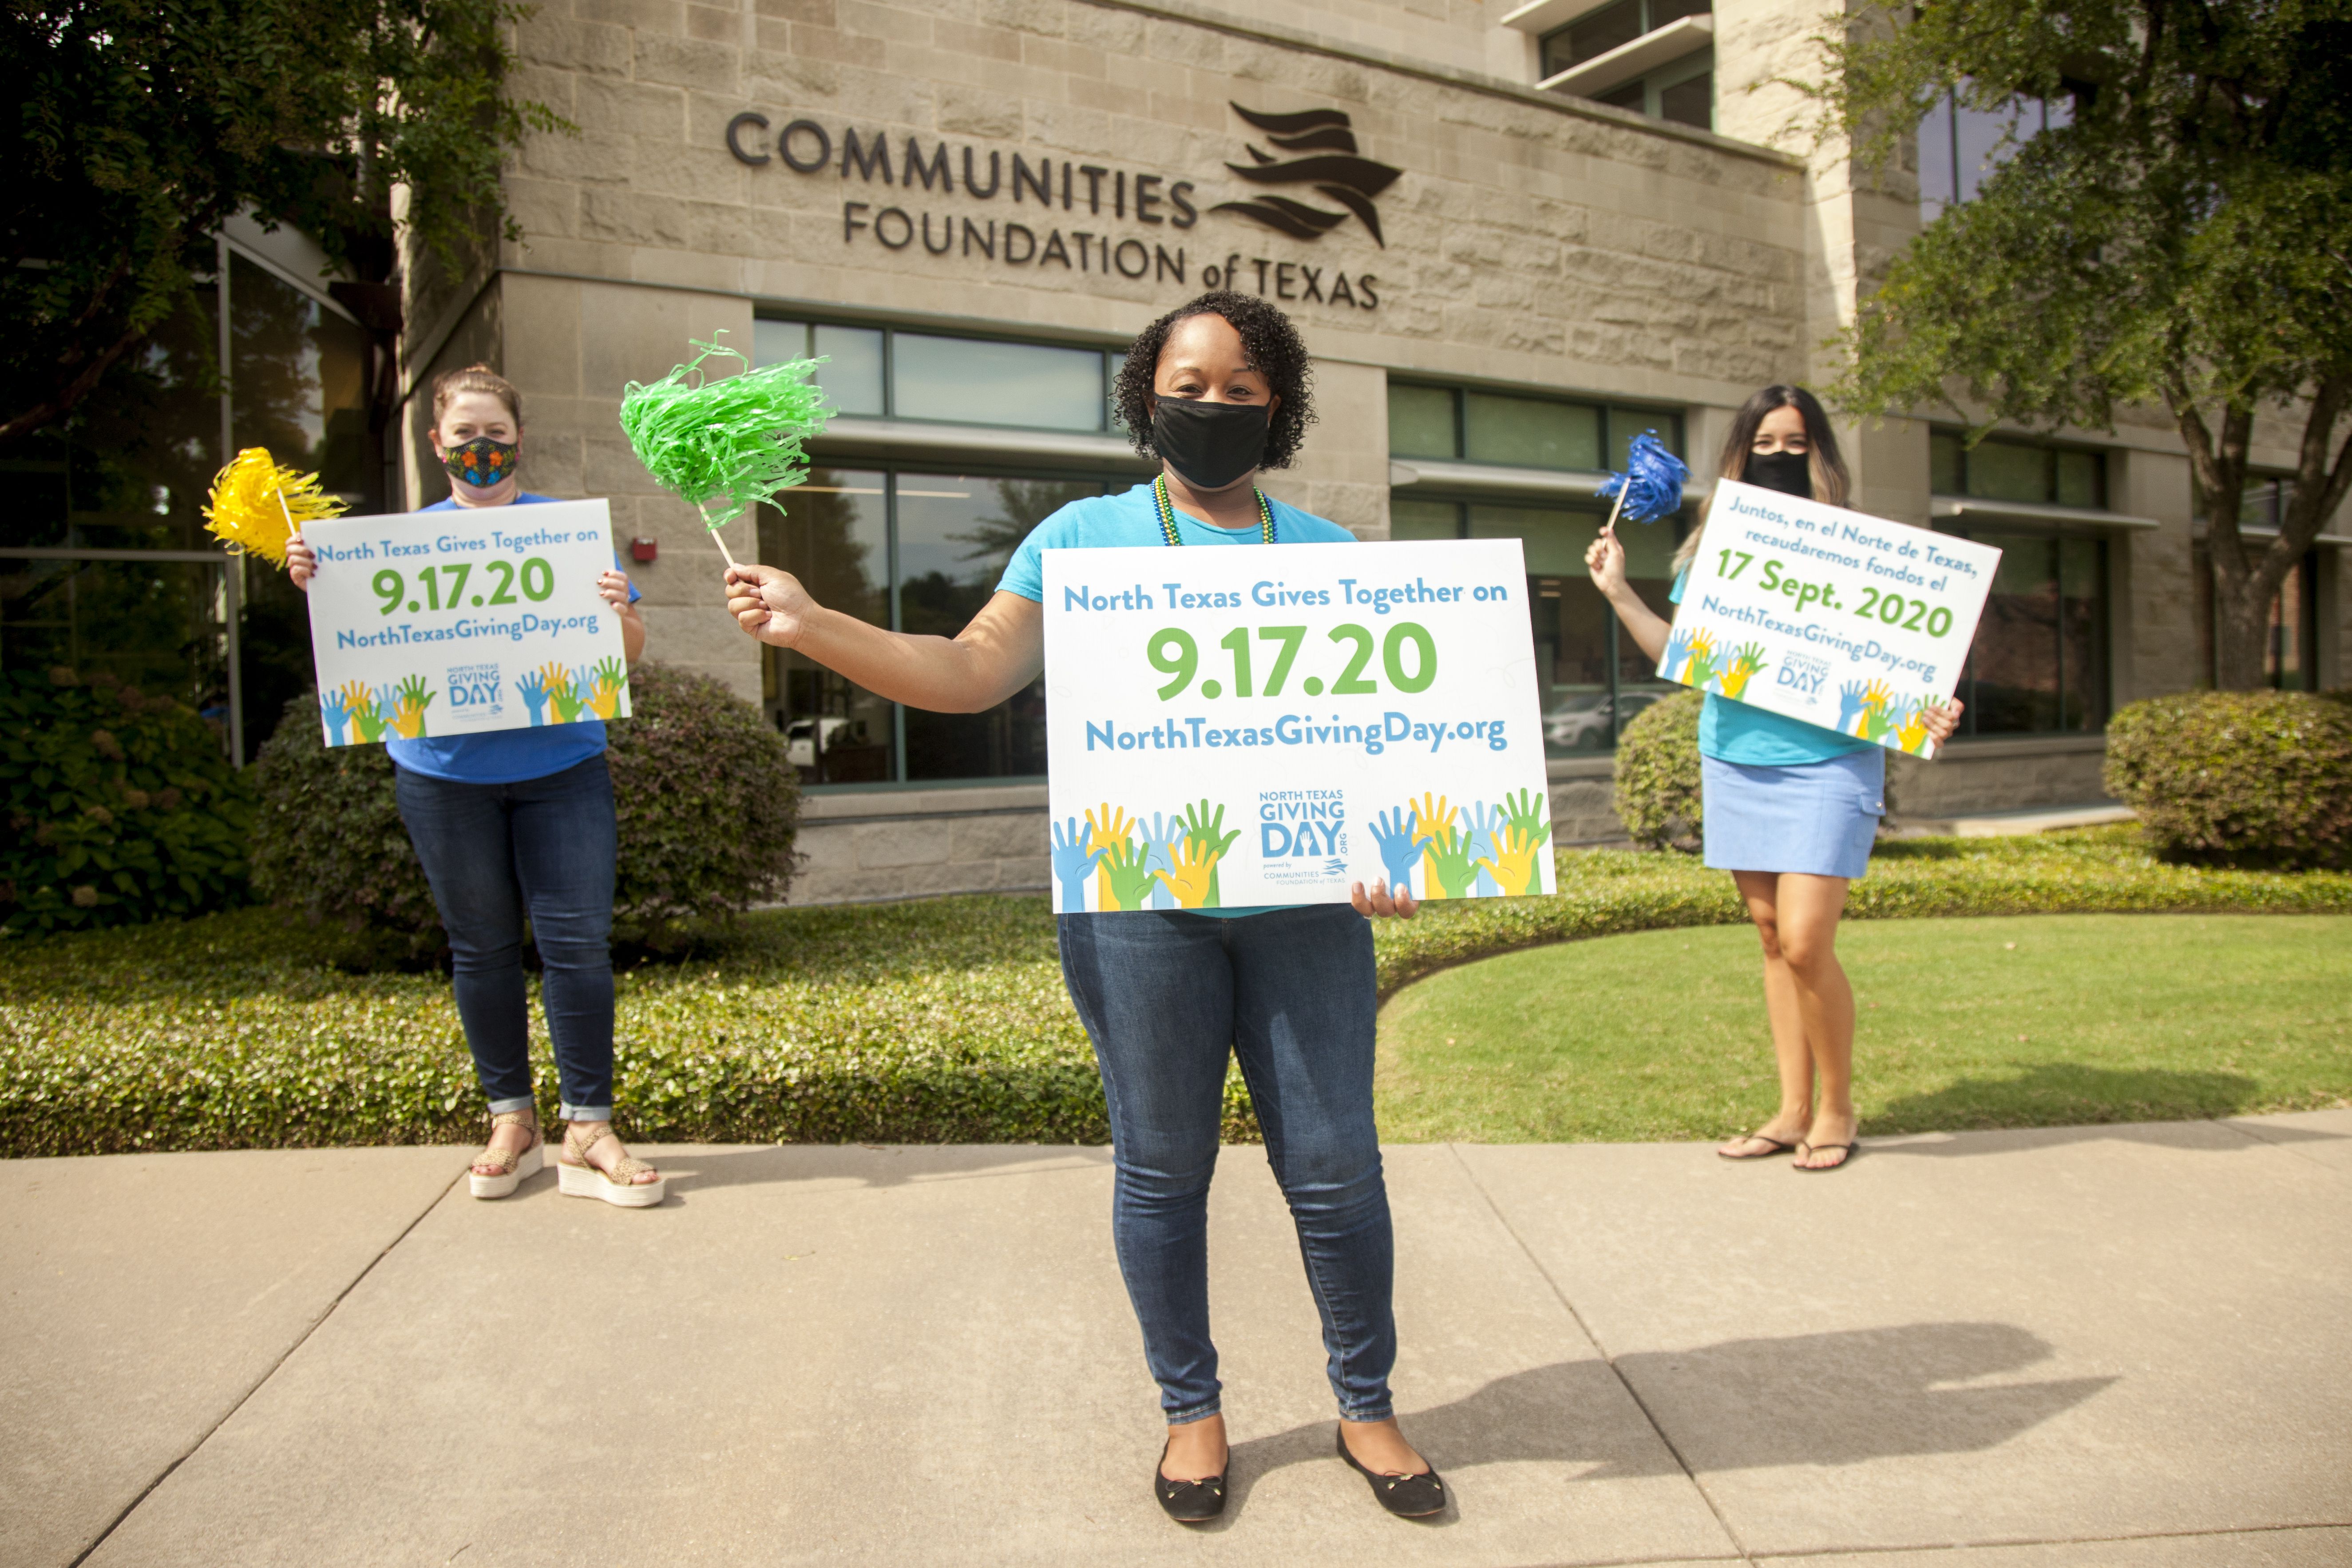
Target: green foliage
707, 799
122, 807
2175, 236
139, 129
944, 1020
2252, 778
1658, 774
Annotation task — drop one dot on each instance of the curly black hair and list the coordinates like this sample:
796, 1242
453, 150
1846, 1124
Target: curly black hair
1274, 350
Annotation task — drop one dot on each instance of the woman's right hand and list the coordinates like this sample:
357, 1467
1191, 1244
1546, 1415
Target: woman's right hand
301, 562
1605, 559
768, 602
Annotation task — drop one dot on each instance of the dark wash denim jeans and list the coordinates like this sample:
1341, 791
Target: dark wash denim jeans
541, 849
1165, 996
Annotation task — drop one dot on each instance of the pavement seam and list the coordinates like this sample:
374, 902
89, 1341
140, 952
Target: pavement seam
267, 1372
1830, 1553
2246, 1132
1616, 1371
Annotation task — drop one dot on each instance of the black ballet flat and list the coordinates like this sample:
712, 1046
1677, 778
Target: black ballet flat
1407, 1496
1187, 1502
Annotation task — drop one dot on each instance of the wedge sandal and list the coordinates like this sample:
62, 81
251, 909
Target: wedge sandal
509, 1168
576, 1178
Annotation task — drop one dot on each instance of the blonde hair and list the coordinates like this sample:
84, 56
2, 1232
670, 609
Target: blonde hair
452, 384
1826, 468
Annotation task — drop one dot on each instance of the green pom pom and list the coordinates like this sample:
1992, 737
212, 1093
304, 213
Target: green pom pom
736, 440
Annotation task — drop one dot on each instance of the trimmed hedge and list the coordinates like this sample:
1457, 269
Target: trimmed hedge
941, 1021
707, 799
1658, 774
120, 807
2238, 778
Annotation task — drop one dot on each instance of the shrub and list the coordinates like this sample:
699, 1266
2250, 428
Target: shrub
707, 801
122, 807
1658, 774
2247, 778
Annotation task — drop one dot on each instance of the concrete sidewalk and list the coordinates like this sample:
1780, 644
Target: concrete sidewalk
2115, 1345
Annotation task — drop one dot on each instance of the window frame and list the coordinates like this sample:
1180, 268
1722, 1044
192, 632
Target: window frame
2051, 450
2101, 703
1107, 357
1604, 408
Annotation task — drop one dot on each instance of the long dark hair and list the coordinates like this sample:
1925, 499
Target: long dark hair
1827, 469
1276, 351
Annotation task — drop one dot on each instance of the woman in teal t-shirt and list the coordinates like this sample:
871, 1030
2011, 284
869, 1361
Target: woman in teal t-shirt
1790, 809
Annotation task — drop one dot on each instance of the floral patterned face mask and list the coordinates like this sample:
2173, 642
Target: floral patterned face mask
481, 462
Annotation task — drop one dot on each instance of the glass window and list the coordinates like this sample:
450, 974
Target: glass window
1959, 148
2079, 476
1420, 422
833, 533
779, 343
1625, 424
1529, 432
852, 377
975, 381
2016, 470
2290, 651
2039, 662
2002, 470
1944, 464
1611, 27
1424, 519
1690, 101
1634, 95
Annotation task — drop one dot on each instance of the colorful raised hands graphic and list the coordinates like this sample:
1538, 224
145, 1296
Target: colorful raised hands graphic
1193, 876
612, 680
1483, 821
1400, 848
1448, 864
1524, 809
415, 694
532, 689
562, 691
1074, 859
1210, 841
1912, 732
366, 709
336, 710
1162, 833
1103, 831
1701, 672
1430, 819
1513, 863
1127, 875
1744, 663
1850, 697
1875, 720
1677, 654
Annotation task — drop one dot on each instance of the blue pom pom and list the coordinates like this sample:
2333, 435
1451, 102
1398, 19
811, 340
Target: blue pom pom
1652, 483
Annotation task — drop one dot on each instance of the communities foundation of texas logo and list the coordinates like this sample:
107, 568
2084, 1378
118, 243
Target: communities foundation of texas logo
1327, 163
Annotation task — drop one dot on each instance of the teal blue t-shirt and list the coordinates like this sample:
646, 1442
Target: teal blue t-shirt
502, 756
1101, 522
1737, 732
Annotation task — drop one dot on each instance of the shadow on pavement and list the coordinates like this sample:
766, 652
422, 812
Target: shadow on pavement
866, 1164
2068, 1102
1810, 1399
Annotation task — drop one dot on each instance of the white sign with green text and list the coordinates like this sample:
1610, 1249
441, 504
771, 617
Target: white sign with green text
457, 623
1850, 622
1269, 723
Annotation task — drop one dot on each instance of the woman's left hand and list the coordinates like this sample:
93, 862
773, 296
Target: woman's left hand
1378, 902
613, 587
1942, 722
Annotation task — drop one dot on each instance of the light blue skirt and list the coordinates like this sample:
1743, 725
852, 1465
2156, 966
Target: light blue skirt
1818, 819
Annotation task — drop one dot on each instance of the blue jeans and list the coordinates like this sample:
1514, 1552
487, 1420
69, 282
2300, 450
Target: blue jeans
1164, 998
543, 850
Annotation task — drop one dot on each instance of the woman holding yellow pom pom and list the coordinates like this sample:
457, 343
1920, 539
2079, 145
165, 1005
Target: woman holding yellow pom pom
518, 825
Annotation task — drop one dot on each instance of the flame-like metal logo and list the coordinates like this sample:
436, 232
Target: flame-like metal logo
1331, 166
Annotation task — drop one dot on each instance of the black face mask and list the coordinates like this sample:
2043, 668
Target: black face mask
1791, 473
1209, 445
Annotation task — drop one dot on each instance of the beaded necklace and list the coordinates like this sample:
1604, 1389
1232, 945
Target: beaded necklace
1167, 511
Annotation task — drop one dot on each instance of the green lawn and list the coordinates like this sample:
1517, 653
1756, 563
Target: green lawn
1996, 1022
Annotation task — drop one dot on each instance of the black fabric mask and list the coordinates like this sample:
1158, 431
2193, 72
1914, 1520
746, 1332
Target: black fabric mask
1791, 473
1209, 445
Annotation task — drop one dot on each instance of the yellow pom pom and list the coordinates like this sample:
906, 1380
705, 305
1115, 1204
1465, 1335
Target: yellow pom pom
256, 506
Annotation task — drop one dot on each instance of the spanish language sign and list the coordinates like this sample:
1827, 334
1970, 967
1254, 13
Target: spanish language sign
455, 623
1268, 723
1850, 622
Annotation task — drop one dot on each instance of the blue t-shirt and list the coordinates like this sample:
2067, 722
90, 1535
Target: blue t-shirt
503, 756
1737, 732
1099, 522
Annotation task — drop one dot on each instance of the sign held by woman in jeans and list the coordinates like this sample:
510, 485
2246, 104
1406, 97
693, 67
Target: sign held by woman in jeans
461, 623
1850, 622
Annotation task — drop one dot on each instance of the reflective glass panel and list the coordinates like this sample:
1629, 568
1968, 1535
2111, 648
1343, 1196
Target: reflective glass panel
1420, 422
299, 382
852, 377
1424, 519
2079, 479
975, 381
1602, 31
2285, 664
2004, 470
955, 535
160, 627
2014, 664
833, 535
1531, 433
1690, 101
779, 343
2082, 633
1944, 464
1625, 424
1570, 620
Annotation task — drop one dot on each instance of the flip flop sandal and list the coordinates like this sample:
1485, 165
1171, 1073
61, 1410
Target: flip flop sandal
1804, 1149
513, 1166
576, 1178
1777, 1148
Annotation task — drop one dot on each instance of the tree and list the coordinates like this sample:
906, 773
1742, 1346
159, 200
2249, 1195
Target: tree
140, 128
2184, 239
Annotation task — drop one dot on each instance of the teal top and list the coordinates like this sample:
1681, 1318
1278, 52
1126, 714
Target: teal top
1102, 523
1733, 732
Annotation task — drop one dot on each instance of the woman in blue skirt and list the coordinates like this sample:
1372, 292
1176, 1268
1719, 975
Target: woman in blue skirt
1790, 809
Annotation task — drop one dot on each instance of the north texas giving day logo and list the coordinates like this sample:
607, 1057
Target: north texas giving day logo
355, 713
1153, 210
